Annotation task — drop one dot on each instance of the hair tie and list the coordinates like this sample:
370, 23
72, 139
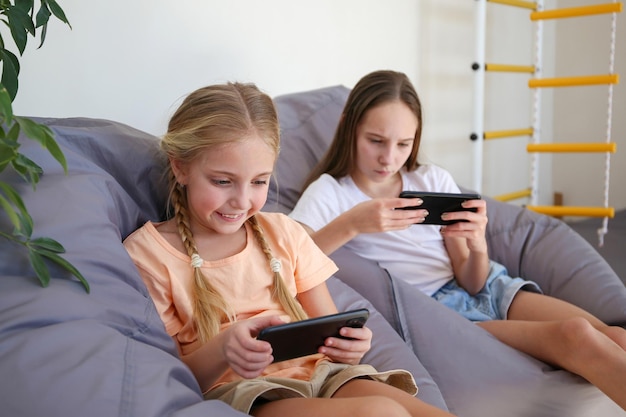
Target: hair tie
275, 265
196, 260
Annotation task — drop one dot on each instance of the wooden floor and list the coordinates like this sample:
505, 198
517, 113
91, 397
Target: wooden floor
614, 248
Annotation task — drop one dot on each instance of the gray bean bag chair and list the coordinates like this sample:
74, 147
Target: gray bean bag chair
64, 352
476, 374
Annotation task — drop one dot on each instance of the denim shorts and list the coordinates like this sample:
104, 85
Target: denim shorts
492, 302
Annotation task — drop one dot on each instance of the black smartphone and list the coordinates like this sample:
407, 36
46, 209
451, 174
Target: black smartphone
439, 203
302, 338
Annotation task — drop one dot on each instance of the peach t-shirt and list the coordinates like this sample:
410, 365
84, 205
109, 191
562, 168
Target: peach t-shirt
244, 280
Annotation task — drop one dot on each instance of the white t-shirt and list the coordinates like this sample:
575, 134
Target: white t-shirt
416, 255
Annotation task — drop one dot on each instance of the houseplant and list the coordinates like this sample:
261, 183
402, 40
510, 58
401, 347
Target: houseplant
24, 19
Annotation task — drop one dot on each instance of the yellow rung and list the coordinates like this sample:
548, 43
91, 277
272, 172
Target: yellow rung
513, 196
573, 81
495, 134
577, 11
509, 68
574, 211
572, 147
517, 3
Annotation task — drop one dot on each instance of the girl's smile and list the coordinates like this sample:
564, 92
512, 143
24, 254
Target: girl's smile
227, 185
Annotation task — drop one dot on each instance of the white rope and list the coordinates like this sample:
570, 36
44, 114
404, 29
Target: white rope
536, 116
609, 119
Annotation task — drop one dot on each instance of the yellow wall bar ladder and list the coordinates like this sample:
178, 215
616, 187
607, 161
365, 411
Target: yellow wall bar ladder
496, 134
574, 211
517, 3
510, 68
577, 11
572, 147
574, 81
514, 195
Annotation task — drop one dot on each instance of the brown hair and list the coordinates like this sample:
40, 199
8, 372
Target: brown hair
209, 117
372, 90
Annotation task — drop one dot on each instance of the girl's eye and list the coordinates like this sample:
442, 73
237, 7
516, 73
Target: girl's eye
403, 145
220, 182
260, 182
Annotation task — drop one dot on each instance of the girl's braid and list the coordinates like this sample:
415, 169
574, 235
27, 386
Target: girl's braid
279, 290
209, 307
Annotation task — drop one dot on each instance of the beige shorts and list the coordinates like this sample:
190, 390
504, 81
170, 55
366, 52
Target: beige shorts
327, 378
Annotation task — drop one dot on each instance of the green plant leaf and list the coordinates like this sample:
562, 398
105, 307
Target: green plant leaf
25, 5
64, 264
44, 135
55, 150
6, 106
19, 18
57, 11
44, 31
6, 156
21, 25
8, 151
18, 30
23, 222
26, 223
43, 15
41, 20
10, 71
39, 266
14, 134
26, 19
10, 211
27, 169
33, 129
13, 195
48, 244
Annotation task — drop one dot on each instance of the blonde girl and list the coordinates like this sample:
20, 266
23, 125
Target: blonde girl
219, 271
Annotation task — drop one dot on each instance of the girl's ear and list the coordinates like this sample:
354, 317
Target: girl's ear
180, 171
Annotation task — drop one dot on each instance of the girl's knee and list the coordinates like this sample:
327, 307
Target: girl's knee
580, 338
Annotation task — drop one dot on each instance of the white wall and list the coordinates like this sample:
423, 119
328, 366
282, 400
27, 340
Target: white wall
132, 61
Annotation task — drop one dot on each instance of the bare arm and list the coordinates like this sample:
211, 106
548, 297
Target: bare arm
236, 348
372, 216
467, 246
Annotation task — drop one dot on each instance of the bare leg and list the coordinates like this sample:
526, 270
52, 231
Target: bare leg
340, 407
359, 397
415, 406
566, 336
537, 307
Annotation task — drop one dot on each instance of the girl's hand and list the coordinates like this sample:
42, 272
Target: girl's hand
384, 214
350, 350
473, 229
246, 355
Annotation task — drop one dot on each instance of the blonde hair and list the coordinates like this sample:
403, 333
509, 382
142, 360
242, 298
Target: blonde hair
207, 118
